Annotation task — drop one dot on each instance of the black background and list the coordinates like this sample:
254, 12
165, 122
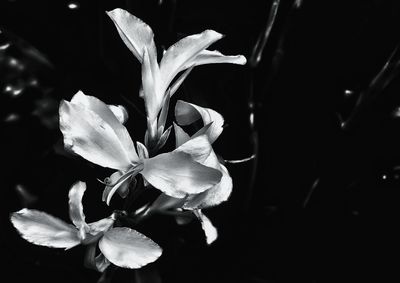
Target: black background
318, 204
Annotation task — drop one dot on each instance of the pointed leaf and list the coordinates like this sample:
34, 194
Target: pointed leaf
133, 31
42, 229
128, 248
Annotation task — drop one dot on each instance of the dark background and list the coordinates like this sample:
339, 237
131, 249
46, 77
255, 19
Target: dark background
317, 204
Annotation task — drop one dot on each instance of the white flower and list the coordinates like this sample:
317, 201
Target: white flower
181, 56
122, 246
92, 131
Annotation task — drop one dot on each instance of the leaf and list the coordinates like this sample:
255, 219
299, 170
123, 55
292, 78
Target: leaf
128, 248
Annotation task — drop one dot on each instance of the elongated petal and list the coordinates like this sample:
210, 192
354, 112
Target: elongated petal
215, 57
101, 225
133, 31
177, 174
128, 248
209, 229
178, 55
214, 196
142, 150
42, 229
75, 206
180, 136
153, 96
106, 113
179, 81
187, 113
86, 134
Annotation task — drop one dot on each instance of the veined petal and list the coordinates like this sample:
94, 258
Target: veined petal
176, 57
214, 196
209, 229
75, 205
187, 113
215, 57
42, 229
180, 136
177, 173
128, 248
106, 113
120, 112
89, 136
135, 33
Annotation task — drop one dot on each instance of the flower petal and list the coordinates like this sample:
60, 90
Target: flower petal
128, 248
176, 57
75, 206
106, 113
153, 96
42, 229
120, 113
177, 173
135, 33
180, 136
215, 57
89, 136
101, 225
209, 229
214, 196
187, 113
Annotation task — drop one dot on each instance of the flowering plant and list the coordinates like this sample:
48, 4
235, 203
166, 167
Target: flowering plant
190, 178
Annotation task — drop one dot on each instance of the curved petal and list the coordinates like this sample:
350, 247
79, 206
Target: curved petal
209, 229
178, 174
120, 112
106, 113
215, 57
214, 196
89, 136
75, 206
199, 148
187, 113
101, 225
128, 248
122, 190
42, 229
135, 33
176, 57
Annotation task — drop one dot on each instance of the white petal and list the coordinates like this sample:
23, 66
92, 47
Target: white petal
209, 229
180, 136
75, 205
101, 225
214, 196
199, 148
42, 229
142, 150
134, 32
120, 112
187, 113
89, 136
176, 57
177, 174
215, 57
153, 96
128, 248
106, 113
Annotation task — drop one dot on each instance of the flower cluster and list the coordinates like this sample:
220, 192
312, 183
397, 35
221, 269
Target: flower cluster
190, 178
